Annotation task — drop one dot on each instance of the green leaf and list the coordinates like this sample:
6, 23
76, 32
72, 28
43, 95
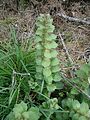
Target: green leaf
34, 113
50, 28
25, 115
71, 113
47, 72
54, 62
24, 105
55, 69
82, 118
69, 103
49, 20
76, 105
38, 46
49, 79
53, 44
65, 116
88, 114
39, 61
75, 116
81, 74
54, 53
51, 87
39, 76
39, 69
41, 28
84, 108
51, 37
38, 53
59, 85
58, 116
57, 77
40, 20
46, 62
74, 91
19, 108
85, 68
38, 39
76, 80
39, 32
47, 45
47, 54
17, 115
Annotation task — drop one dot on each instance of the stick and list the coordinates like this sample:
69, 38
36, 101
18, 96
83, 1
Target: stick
75, 86
21, 74
73, 19
65, 48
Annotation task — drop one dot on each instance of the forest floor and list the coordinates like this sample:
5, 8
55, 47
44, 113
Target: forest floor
76, 36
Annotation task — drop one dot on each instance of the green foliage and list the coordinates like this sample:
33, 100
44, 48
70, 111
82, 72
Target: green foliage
77, 110
83, 79
47, 63
21, 112
51, 104
33, 76
17, 68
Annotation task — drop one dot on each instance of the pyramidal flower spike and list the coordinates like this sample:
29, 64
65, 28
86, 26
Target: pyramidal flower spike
47, 63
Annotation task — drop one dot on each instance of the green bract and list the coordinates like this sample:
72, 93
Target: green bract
47, 63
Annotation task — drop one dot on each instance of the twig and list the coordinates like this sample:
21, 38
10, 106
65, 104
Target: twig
22, 74
73, 19
75, 86
65, 48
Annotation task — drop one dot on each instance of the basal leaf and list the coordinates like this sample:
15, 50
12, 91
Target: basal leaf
20, 107
34, 113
